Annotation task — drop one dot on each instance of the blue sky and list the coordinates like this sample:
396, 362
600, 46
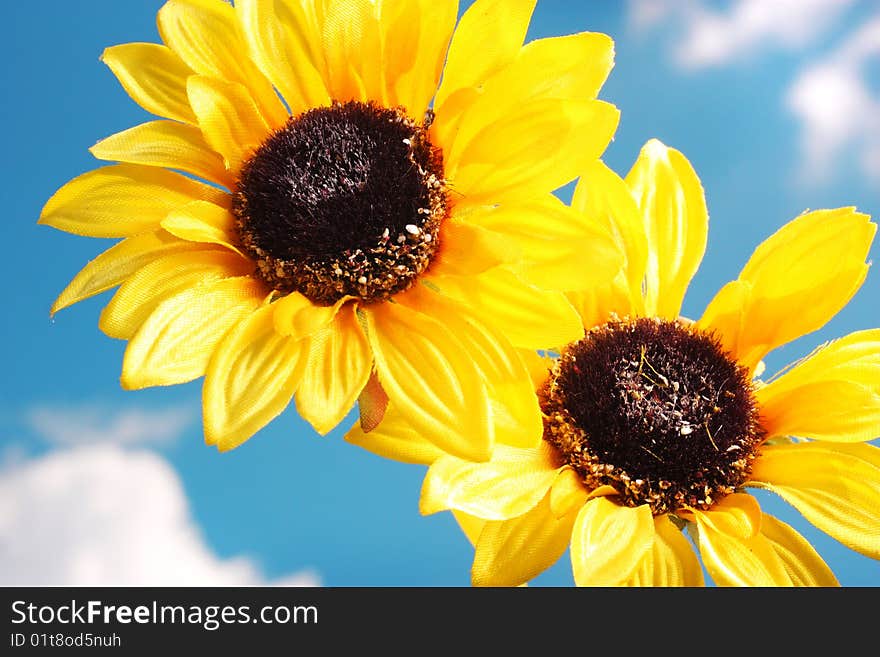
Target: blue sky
776, 104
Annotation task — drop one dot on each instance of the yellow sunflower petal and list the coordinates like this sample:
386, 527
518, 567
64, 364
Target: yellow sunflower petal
284, 42
427, 375
395, 439
162, 279
534, 149
122, 200
727, 315
250, 379
512, 552
676, 222
202, 222
488, 37
467, 249
516, 415
793, 284
604, 197
835, 486
228, 117
296, 315
154, 76
609, 542
352, 47
339, 364
206, 35
415, 36
826, 410
672, 561
738, 515
539, 75
513, 482
566, 67
538, 365
568, 492
596, 305
165, 144
802, 562
834, 394
116, 264
470, 525
531, 318
176, 341
734, 551
554, 242
602, 491
447, 121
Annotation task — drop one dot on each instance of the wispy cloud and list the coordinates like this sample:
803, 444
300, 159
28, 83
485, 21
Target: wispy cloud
838, 109
101, 515
95, 424
707, 37
833, 96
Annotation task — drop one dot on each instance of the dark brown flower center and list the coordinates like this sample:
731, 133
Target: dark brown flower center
656, 409
343, 200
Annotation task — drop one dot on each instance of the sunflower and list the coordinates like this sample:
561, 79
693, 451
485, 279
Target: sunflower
320, 214
654, 423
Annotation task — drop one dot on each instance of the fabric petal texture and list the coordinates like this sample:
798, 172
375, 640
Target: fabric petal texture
552, 241
206, 35
284, 42
609, 542
834, 486
154, 76
202, 222
794, 283
117, 263
512, 552
531, 318
228, 117
428, 378
562, 136
489, 36
165, 277
672, 561
165, 144
339, 364
673, 207
416, 37
178, 339
250, 379
395, 439
802, 563
515, 414
506, 487
834, 394
733, 548
122, 200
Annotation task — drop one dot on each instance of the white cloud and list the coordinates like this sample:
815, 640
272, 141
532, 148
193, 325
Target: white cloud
646, 14
712, 37
839, 112
94, 424
100, 515
838, 109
